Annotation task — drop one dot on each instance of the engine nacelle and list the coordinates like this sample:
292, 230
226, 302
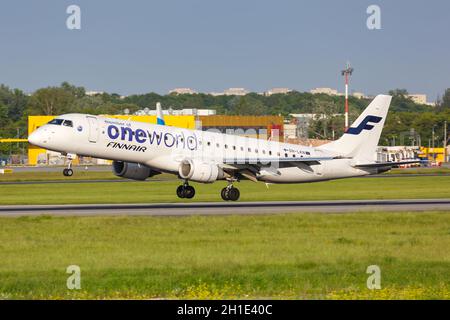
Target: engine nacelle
131, 170
199, 171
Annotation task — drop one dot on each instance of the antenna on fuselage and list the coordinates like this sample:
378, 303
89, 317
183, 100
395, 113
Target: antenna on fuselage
159, 115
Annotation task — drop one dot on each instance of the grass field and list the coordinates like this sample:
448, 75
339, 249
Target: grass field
291, 256
164, 191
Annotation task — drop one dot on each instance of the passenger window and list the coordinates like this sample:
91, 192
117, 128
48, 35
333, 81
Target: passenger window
68, 123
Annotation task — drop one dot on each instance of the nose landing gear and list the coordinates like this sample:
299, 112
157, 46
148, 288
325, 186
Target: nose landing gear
68, 172
185, 191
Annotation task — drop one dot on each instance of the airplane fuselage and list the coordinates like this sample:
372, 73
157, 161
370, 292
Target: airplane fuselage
163, 148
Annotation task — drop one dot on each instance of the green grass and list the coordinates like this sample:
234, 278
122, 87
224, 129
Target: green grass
46, 176
424, 170
276, 256
164, 191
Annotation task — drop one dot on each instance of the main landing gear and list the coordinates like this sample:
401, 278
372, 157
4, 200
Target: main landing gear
230, 193
185, 191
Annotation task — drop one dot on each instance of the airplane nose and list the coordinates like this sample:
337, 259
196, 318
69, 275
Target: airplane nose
36, 138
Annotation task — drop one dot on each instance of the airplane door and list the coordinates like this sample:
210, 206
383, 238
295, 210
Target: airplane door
93, 129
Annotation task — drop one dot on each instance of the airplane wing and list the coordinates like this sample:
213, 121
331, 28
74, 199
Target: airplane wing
267, 161
386, 164
250, 167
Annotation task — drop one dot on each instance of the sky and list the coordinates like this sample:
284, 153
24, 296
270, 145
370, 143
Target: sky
135, 46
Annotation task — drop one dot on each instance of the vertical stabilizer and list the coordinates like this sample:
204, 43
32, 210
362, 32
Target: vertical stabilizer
361, 139
159, 115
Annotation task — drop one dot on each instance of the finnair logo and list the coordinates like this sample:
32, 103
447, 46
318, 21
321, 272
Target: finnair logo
364, 125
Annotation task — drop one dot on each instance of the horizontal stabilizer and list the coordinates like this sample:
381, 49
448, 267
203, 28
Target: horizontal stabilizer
386, 164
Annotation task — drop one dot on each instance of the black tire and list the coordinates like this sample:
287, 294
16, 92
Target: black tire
234, 194
189, 192
69, 172
65, 172
224, 194
181, 192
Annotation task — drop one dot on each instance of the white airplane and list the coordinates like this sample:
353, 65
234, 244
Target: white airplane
141, 150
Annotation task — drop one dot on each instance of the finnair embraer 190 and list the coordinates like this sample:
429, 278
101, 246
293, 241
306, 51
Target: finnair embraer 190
142, 150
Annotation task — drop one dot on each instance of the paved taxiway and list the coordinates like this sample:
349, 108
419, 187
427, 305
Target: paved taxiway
220, 208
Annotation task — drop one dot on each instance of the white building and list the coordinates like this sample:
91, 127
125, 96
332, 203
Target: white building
396, 154
182, 91
94, 93
277, 91
420, 99
359, 95
235, 92
329, 91
179, 112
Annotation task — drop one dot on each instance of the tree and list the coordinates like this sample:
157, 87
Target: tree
50, 101
445, 101
78, 92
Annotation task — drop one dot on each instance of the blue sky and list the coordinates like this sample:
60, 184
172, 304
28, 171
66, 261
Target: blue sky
141, 46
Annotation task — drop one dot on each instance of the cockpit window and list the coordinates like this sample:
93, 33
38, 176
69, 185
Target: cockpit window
68, 123
58, 122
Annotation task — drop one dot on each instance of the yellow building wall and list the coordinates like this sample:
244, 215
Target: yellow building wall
434, 154
35, 122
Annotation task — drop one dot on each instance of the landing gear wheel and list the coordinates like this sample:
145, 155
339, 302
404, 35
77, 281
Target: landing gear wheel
181, 192
185, 191
233, 194
230, 193
189, 192
68, 172
224, 194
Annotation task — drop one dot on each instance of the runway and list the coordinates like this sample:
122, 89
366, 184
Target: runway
226, 208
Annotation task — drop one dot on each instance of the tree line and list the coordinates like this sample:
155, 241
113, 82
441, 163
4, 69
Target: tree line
407, 122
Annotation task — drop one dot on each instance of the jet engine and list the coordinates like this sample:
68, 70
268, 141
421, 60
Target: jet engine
131, 170
200, 171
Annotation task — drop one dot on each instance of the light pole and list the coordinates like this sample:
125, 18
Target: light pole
347, 72
445, 141
432, 138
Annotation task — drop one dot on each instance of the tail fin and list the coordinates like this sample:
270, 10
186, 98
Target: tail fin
361, 139
159, 114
